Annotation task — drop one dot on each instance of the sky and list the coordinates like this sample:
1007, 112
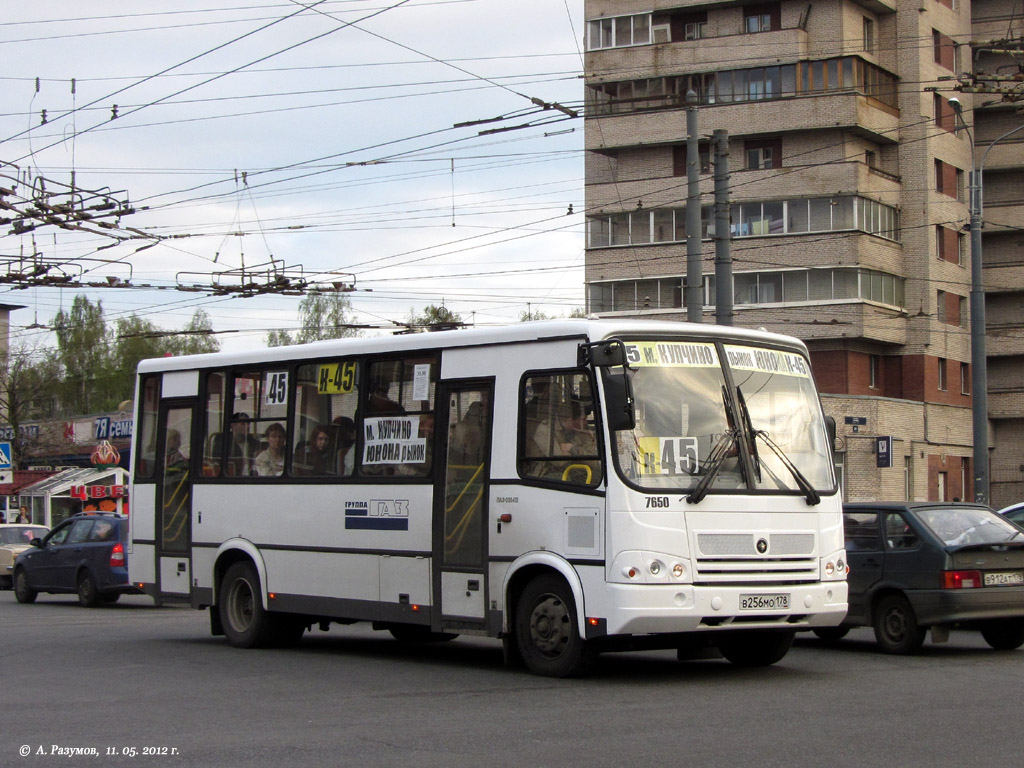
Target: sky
394, 147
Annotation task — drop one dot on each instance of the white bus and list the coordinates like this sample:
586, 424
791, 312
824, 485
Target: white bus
569, 487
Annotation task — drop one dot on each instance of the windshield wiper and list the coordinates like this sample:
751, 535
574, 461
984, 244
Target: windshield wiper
812, 495
748, 427
719, 453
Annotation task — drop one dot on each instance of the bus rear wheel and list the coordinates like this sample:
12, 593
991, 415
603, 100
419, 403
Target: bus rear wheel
546, 629
756, 648
246, 623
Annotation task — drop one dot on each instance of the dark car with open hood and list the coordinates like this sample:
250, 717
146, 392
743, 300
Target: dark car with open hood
916, 566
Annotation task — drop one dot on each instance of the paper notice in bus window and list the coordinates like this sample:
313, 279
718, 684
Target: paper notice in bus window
667, 456
421, 382
767, 361
393, 440
671, 354
336, 378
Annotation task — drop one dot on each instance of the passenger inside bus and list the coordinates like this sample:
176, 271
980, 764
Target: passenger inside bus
380, 400
345, 461
314, 457
270, 461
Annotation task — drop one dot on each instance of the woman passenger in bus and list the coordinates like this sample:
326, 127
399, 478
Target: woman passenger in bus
270, 462
313, 458
346, 455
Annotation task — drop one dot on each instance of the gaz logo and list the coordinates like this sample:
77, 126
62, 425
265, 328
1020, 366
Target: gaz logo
377, 515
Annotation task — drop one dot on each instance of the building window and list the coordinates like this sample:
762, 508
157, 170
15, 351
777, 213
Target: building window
944, 50
965, 478
869, 35
945, 117
873, 363
679, 158
949, 180
965, 378
762, 18
942, 374
762, 155
619, 32
940, 307
962, 311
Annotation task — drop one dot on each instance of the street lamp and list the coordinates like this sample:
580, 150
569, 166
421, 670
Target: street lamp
979, 363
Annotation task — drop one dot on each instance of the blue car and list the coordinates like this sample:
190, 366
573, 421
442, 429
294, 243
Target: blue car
85, 554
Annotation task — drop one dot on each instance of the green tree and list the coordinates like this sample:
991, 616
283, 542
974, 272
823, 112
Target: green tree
433, 318
83, 350
322, 315
29, 378
197, 337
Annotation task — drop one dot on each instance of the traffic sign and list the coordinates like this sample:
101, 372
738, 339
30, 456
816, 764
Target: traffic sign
5, 456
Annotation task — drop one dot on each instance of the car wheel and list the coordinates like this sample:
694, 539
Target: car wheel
23, 593
1004, 635
831, 634
896, 628
88, 595
546, 630
758, 648
246, 624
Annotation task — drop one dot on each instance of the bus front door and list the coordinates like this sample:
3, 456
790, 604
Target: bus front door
460, 506
174, 498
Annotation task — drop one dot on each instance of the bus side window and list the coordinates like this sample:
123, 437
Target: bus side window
559, 440
397, 426
324, 410
212, 454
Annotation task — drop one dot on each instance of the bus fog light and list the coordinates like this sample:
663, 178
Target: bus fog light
655, 568
678, 570
808, 601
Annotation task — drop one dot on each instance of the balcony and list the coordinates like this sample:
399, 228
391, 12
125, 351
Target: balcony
828, 111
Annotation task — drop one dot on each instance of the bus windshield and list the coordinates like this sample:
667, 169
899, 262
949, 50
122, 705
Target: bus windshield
759, 429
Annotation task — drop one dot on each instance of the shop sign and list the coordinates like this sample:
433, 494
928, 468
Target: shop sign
85, 492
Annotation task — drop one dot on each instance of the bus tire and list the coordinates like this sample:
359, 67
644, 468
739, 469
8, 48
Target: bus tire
756, 648
1004, 634
547, 633
88, 595
246, 623
23, 593
896, 627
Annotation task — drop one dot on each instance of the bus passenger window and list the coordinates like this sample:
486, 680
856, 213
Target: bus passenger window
559, 432
324, 409
397, 432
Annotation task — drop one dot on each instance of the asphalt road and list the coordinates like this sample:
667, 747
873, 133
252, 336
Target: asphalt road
121, 679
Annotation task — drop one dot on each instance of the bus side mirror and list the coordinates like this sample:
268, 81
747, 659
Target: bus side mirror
618, 393
610, 353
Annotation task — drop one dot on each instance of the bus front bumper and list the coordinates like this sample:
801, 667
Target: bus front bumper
638, 609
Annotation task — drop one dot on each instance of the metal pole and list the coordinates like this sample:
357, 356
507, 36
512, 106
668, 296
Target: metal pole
979, 362
723, 252
694, 272
979, 358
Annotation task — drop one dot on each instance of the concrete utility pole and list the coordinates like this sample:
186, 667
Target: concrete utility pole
694, 271
723, 245
979, 360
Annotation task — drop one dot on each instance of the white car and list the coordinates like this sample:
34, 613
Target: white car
1014, 513
15, 538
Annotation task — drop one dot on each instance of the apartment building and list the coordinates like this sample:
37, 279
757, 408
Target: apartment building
849, 192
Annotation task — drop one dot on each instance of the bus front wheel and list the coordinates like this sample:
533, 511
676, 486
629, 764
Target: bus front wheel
245, 622
547, 632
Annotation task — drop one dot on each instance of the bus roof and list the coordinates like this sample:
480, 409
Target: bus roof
539, 330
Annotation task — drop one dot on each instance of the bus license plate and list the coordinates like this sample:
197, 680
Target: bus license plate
1004, 579
764, 602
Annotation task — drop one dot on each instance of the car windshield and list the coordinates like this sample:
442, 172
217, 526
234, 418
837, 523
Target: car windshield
685, 428
966, 526
18, 534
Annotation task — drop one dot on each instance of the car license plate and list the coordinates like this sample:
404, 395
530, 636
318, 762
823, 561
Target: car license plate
1004, 579
764, 602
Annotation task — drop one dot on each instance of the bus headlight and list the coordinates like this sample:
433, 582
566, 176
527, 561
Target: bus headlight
678, 570
655, 568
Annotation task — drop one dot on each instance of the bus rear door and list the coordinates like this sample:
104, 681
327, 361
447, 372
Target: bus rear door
174, 497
